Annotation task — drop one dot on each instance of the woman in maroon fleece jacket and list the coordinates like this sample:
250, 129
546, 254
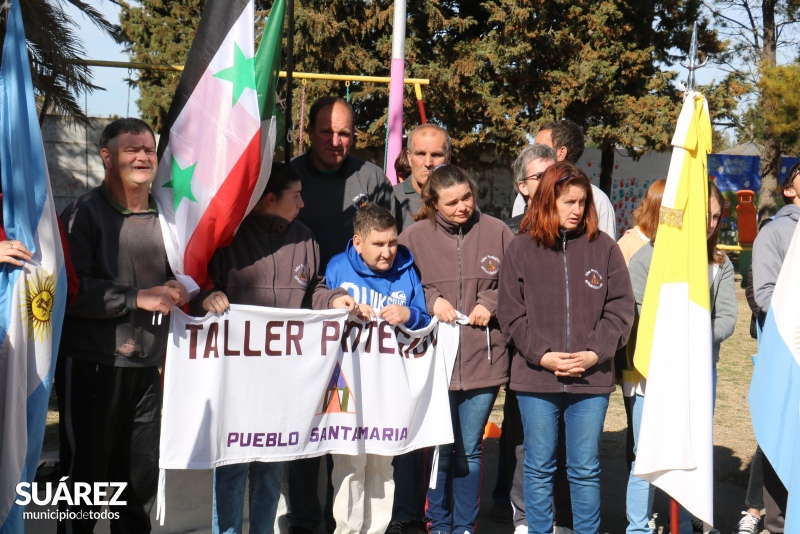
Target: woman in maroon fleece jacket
566, 303
459, 252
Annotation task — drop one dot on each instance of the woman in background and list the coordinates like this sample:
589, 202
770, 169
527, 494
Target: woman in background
724, 309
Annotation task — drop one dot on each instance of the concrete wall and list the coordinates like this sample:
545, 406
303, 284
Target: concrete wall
73, 158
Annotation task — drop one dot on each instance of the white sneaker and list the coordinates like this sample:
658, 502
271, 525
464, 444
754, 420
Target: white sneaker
652, 523
521, 529
748, 524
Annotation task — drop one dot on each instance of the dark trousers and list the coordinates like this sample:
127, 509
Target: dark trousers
302, 478
410, 486
775, 497
754, 498
109, 430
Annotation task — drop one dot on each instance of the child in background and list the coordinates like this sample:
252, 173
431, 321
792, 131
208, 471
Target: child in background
381, 277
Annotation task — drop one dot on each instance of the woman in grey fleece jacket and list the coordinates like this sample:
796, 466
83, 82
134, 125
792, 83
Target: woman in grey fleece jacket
724, 309
459, 253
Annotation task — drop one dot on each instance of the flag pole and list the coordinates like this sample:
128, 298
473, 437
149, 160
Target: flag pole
396, 87
287, 142
692, 65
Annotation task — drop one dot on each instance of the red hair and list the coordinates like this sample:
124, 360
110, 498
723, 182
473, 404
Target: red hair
645, 216
541, 222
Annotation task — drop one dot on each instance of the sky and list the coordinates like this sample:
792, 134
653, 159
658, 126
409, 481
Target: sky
114, 100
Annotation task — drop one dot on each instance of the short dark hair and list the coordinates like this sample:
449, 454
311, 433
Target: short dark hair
121, 126
566, 133
787, 183
324, 102
371, 217
281, 178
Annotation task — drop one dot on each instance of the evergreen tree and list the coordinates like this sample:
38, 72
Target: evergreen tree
159, 32
498, 68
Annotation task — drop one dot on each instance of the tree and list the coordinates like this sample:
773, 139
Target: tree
159, 32
757, 30
498, 68
56, 52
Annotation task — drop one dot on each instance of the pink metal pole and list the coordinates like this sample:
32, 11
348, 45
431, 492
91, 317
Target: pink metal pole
396, 89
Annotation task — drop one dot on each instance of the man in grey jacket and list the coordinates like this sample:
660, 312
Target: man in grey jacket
429, 145
769, 251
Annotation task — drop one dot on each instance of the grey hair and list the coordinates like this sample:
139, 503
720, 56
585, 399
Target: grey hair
528, 154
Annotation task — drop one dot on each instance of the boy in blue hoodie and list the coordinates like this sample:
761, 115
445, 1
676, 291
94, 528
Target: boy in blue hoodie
381, 277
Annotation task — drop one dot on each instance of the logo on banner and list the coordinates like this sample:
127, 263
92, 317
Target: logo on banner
338, 398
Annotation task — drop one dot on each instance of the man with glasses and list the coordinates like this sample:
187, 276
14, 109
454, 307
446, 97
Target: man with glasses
769, 251
566, 139
528, 169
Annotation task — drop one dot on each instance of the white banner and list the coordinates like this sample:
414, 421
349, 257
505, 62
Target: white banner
275, 384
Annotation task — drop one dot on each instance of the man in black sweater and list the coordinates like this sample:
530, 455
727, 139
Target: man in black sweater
114, 338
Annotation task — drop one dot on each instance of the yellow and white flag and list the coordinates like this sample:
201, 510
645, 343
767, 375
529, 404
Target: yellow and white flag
673, 349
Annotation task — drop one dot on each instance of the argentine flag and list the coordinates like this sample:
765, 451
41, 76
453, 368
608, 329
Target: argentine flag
32, 298
775, 388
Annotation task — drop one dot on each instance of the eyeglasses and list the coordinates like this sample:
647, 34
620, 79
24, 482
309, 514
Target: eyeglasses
536, 176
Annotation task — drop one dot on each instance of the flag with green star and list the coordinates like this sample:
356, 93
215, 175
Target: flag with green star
217, 144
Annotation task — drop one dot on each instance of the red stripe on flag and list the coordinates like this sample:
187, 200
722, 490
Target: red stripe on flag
224, 213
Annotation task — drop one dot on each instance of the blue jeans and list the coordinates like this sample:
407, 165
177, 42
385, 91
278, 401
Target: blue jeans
583, 420
458, 479
639, 498
265, 490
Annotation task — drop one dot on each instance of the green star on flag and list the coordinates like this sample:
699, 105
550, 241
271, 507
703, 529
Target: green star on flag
242, 74
181, 183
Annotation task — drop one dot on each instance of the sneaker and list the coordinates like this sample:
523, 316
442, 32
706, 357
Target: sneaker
396, 527
697, 526
521, 529
652, 523
748, 524
501, 513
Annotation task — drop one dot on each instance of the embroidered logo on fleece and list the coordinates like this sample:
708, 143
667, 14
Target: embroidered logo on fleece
490, 264
593, 279
301, 274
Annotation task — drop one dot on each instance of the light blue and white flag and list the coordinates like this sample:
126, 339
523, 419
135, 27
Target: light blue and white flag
32, 298
775, 388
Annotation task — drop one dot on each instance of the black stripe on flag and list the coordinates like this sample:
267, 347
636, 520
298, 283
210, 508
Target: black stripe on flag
218, 18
